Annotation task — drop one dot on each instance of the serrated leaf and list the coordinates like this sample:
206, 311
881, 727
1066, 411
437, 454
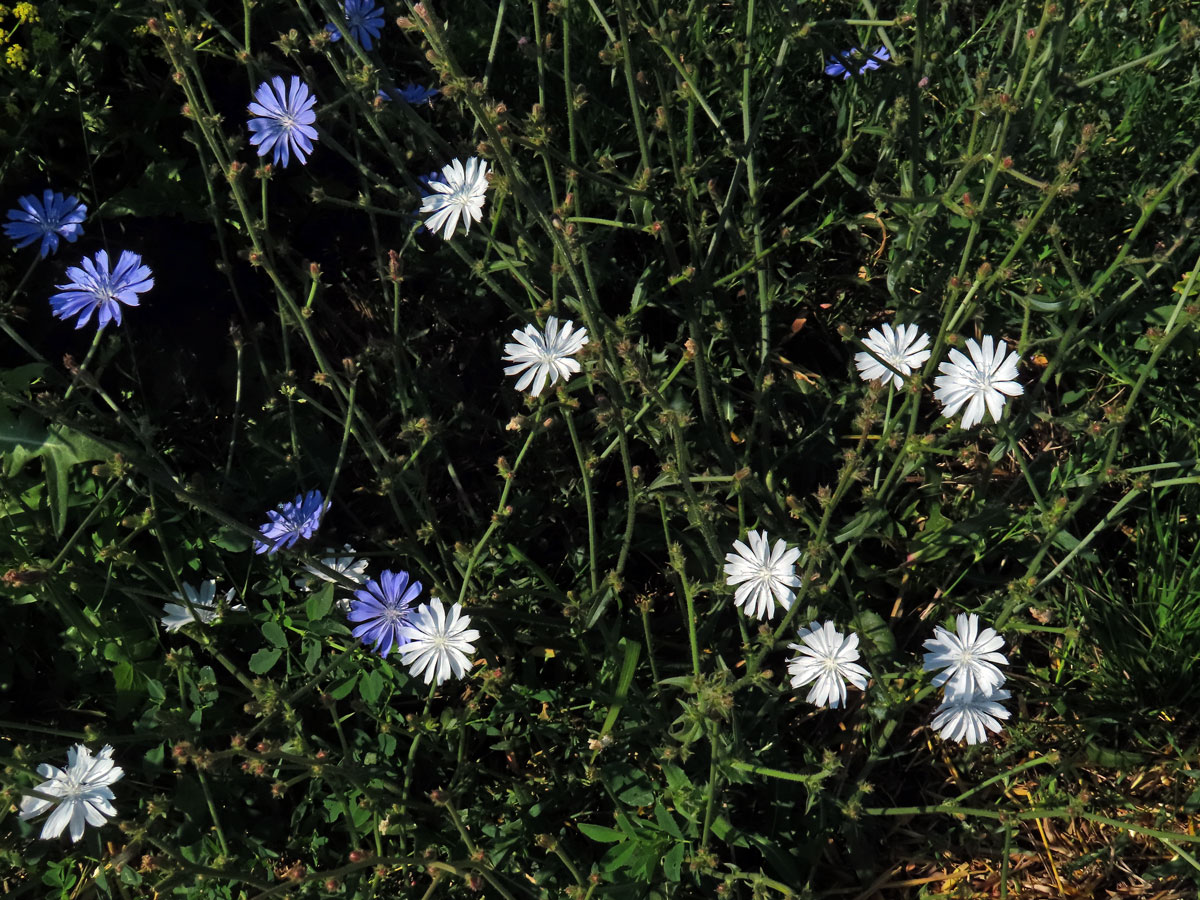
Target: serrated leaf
262, 661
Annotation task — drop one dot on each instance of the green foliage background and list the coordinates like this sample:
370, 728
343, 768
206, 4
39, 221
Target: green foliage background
726, 221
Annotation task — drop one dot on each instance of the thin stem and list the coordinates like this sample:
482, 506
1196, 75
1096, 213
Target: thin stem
497, 517
587, 496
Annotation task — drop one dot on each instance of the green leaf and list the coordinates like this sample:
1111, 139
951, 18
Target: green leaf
262, 661
637, 795
123, 675
601, 833
344, 687
233, 541
23, 439
672, 861
312, 652
873, 630
274, 634
370, 686
666, 821
318, 604
628, 667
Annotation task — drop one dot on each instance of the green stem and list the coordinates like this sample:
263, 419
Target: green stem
587, 496
497, 517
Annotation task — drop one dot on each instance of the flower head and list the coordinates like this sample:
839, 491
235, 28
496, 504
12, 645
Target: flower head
970, 715
438, 642
544, 356
902, 348
969, 657
349, 567
764, 575
298, 519
93, 287
827, 658
459, 192
843, 62
52, 217
983, 380
363, 18
382, 608
82, 791
285, 120
203, 606
412, 94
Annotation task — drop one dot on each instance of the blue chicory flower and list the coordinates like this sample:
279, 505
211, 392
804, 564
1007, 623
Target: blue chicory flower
286, 119
412, 94
93, 287
298, 519
364, 19
843, 62
52, 217
383, 608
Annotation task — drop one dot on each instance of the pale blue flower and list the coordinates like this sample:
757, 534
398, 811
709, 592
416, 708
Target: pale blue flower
52, 217
285, 120
383, 609
298, 519
364, 19
94, 287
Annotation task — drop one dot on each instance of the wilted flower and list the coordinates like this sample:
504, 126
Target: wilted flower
285, 120
50, 218
902, 348
459, 192
827, 658
203, 601
764, 575
543, 357
438, 642
348, 567
383, 609
93, 287
297, 519
984, 380
82, 790
969, 657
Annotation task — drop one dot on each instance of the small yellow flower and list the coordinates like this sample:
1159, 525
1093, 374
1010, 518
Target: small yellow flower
26, 12
16, 57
